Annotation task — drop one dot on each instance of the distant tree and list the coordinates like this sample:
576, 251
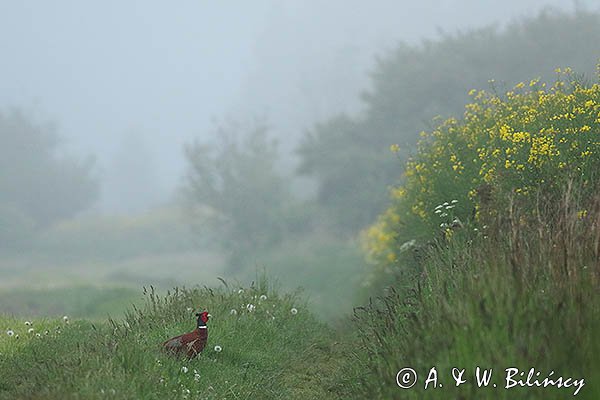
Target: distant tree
237, 178
350, 157
39, 185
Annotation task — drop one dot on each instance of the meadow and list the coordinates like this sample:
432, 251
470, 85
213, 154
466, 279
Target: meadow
488, 255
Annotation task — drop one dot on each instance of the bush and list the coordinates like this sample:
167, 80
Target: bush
413, 83
524, 147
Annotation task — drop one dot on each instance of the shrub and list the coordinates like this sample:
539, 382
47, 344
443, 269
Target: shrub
522, 147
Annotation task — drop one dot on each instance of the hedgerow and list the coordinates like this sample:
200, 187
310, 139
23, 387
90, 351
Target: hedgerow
523, 146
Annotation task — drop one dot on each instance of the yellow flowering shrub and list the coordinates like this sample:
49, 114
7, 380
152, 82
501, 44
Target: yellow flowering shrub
531, 138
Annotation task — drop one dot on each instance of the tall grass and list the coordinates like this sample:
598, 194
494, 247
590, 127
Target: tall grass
523, 293
268, 352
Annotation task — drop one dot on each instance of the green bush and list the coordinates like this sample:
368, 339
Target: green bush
410, 85
522, 148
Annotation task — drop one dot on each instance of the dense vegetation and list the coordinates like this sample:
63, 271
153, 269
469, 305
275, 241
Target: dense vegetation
261, 345
495, 239
348, 155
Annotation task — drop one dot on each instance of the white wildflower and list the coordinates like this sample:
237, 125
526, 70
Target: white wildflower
250, 307
10, 332
66, 319
438, 211
443, 215
241, 291
30, 330
28, 323
189, 309
233, 311
294, 311
184, 369
218, 349
449, 207
454, 201
197, 377
263, 297
38, 335
407, 245
445, 204
438, 207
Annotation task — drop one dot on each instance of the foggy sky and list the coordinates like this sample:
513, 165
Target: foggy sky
121, 74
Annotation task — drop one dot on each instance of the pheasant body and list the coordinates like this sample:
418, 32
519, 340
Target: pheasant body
191, 344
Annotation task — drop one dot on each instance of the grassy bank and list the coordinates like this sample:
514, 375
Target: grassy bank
276, 349
521, 294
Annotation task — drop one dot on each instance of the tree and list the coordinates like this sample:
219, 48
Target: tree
37, 183
237, 178
350, 157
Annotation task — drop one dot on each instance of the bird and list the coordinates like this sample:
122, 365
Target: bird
191, 344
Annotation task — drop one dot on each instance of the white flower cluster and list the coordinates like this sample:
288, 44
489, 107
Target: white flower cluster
444, 210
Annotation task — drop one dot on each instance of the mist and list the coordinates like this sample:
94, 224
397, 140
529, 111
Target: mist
299, 198
165, 145
104, 71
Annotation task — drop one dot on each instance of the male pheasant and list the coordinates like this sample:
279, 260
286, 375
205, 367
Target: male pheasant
192, 343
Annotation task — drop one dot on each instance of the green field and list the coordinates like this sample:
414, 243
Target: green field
270, 352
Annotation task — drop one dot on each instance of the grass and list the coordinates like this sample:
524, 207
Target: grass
521, 293
81, 302
327, 268
524, 294
510, 296
267, 353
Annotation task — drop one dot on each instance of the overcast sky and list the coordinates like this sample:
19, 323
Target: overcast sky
153, 75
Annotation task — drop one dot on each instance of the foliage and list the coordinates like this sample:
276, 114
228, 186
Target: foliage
37, 183
238, 179
326, 267
349, 157
524, 295
267, 351
524, 147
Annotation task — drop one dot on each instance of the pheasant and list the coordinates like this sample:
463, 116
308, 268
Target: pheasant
190, 343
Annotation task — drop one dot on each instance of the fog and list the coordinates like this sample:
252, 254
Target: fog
109, 71
167, 144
